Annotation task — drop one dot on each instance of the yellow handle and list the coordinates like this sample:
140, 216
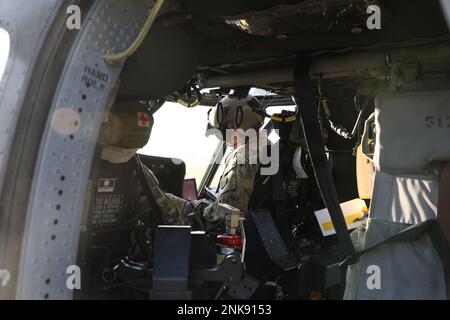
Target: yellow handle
112, 58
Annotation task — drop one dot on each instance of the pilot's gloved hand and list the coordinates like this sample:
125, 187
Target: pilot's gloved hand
184, 207
211, 215
174, 209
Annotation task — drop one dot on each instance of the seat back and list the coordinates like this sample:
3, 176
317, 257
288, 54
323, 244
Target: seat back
126, 128
112, 207
169, 172
412, 139
413, 131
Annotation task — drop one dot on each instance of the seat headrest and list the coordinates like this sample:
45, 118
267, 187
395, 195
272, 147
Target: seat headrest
412, 131
128, 125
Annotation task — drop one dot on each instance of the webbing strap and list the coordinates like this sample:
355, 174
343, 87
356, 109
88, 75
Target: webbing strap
147, 191
313, 133
411, 233
441, 237
437, 230
444, 201
442, 247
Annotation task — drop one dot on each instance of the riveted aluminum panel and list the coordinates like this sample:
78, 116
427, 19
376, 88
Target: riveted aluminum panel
66, 154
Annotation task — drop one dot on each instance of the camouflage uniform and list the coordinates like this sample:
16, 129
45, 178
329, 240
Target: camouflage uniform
235, 189
173, 209
234, 112
235, 185
237, 181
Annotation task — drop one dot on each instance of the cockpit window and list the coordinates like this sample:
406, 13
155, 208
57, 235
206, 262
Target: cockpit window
273, 137
4, 50
179, 132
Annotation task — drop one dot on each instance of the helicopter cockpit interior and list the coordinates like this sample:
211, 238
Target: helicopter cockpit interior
354, 97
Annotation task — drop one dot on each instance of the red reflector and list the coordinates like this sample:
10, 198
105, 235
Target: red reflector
229, 241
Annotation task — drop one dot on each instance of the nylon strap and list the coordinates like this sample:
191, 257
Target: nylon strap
147, 191
309, 118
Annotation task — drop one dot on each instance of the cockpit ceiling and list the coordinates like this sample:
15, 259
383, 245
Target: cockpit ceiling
309, 15
269, 38
313, 26
206, 39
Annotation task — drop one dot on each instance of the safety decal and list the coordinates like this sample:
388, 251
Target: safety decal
143, 120
106, 185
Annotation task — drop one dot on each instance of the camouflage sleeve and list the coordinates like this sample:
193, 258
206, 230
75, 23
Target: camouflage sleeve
237, 186
183, 206
235, 189
209, 215
173, 208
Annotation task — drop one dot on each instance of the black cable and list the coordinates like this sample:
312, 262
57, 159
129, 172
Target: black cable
257, 107
313, 134
339, 129
147, 191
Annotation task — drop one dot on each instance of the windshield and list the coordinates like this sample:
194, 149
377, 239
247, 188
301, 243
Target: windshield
179, 132
4, 50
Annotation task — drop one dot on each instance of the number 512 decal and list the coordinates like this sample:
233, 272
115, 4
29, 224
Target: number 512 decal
437, 121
